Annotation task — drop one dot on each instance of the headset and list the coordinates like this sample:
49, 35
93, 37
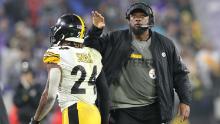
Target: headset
145, 7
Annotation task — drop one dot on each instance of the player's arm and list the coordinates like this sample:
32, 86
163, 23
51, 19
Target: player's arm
103, 97
182, 85
94, 38
49, 94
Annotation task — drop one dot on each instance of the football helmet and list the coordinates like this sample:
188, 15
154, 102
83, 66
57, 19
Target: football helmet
69, 27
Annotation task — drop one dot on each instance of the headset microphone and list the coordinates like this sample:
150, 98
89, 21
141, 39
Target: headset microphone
146, 26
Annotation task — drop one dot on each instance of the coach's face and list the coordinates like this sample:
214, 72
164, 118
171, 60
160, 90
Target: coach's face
138, 21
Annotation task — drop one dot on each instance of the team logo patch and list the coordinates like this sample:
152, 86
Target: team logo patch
163, 54
152, 74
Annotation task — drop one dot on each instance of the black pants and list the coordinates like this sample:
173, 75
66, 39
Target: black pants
149, 114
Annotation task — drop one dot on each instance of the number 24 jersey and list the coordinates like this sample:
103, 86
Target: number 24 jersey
80, 67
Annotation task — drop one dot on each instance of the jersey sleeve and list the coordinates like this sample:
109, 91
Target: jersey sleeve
51, 57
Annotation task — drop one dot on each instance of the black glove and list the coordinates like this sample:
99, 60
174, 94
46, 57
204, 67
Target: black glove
34, 121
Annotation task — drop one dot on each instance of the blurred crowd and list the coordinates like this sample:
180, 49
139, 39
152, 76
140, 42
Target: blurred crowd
25, 35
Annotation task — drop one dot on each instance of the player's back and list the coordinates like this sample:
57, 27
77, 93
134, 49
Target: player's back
80, 67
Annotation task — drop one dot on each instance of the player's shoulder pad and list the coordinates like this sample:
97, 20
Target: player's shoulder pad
94, 52
51, 56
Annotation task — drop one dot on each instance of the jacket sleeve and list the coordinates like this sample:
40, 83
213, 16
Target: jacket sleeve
103, 97
182, 84
96, 41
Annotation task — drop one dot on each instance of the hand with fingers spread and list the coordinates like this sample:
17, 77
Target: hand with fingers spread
184, 111
98, 20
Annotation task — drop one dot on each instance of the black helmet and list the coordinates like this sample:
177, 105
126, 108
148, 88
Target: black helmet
69, 27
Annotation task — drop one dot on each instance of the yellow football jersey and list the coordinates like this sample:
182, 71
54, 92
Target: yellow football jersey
80, 67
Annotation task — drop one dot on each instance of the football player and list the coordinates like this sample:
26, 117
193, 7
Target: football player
75, 75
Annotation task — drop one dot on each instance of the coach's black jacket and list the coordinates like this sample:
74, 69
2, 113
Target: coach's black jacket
171, 73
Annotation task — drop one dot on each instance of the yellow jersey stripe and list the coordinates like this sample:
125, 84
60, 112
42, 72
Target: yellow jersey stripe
83, 27
50, 57
65, 117
136, 56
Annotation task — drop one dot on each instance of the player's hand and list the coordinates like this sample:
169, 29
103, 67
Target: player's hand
184, 111
34, 121
98, 20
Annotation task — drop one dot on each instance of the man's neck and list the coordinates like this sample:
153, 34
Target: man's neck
143, 37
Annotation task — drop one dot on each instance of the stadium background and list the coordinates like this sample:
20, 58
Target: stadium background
192, 24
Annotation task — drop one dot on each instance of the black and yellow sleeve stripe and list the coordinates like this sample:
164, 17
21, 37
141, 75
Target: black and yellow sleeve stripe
50, 57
